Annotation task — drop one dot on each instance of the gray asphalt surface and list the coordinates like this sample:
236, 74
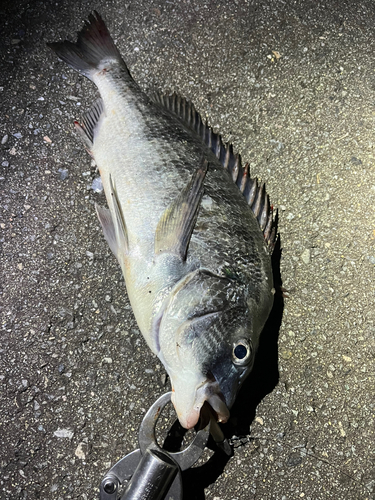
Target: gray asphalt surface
292, 85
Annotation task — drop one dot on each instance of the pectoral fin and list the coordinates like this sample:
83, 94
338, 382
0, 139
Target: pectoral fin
176, 225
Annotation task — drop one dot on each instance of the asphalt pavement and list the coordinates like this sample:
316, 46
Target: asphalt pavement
292, 86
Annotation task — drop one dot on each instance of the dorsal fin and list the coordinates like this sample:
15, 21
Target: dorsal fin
254, 193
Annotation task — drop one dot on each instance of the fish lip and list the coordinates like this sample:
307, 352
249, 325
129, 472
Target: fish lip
207, 394
191, 421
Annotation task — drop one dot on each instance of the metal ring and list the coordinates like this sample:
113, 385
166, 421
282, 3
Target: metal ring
147, 438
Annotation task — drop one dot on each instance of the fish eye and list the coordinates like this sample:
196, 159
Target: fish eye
242, 351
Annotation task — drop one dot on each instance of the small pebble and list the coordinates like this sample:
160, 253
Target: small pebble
80, 451
64, 433
97, 185
305, 256
294, 459
341, 428
64, 173
285, 354
4, 139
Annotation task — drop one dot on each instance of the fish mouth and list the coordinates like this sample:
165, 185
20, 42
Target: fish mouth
208, 394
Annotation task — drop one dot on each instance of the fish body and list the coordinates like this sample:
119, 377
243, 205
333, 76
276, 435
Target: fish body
195, 257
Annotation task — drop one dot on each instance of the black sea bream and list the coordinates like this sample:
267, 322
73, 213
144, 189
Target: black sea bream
193, 233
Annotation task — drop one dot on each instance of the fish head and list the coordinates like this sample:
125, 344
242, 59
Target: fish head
207, 344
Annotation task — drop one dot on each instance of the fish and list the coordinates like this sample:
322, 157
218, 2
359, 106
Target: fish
192, 231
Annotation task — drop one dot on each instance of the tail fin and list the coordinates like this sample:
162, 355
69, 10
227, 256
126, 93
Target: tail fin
93, 46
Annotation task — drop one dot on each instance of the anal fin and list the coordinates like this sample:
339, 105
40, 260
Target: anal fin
89, 122
119, 223
105, 219
176, 224
114, 227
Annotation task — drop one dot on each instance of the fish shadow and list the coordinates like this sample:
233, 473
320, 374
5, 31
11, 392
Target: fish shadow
262, 380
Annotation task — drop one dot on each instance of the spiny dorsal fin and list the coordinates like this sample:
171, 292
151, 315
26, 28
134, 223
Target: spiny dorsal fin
90, 119
176, 225
254, 193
